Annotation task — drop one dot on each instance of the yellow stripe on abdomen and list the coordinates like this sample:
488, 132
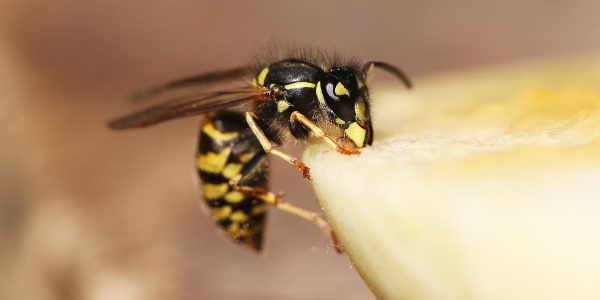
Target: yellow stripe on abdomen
210, 130
213, 162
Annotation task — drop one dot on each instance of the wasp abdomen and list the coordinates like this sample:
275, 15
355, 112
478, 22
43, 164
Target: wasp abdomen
229, 151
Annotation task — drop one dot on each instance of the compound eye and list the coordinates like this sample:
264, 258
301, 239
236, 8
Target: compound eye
340, 92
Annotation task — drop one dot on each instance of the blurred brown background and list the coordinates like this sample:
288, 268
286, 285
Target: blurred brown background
86, 213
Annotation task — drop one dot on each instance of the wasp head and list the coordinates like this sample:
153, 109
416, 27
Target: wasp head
342, 97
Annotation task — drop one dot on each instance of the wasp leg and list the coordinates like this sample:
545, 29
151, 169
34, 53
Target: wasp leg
320, 133
236, 183
268, 147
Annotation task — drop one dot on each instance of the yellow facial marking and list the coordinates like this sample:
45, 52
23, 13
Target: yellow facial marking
357, 134
340, 121
360, 84
238, 216
282, 105
210, 130
361, 109
231, 169
340, 90
212, 162
320, 93
214, 191
298, 85
260, 79
234, 197
221, 213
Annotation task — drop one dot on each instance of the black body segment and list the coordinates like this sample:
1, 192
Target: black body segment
292, 70
227, 148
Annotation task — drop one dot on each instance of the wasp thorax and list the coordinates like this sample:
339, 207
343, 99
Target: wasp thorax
340, 92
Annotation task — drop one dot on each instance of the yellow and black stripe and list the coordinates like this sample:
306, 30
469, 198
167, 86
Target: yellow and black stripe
228, 151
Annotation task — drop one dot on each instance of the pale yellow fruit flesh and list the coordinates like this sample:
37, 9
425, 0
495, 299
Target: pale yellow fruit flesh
479, 185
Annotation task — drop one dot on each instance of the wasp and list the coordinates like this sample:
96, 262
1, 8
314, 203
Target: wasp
284, 98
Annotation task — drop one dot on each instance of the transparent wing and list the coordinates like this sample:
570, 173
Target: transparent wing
190, 105
198, 80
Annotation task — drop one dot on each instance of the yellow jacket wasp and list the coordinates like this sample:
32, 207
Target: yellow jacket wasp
288, 99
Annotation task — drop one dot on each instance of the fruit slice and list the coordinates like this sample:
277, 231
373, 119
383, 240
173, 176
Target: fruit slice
480, 185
